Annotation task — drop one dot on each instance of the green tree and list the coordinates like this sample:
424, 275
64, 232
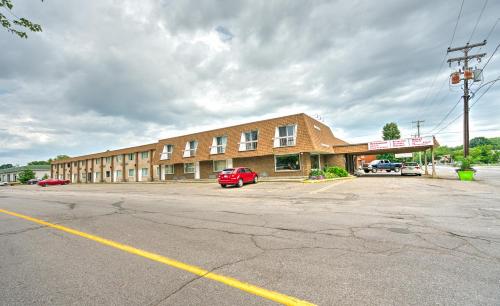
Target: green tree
58, 157
6, 166
391, 131
45, 176
38, 162
479, 141
25, 175
14, 24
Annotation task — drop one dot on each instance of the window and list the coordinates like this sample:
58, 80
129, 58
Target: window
83, 175
248, 141
189, 168
190, 149
169, 169
97, 176
219, 165
75, 164
144, 171
145, 155
118, 158
167, 152
131, 172
69, 165
118, 173
218, 145
131, 156
285, 136
108, 173
287, 162
108, 160
97, 161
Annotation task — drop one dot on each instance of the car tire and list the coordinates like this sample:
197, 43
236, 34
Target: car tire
374, 170
396, 169
256, 179
240, 183
366, 170
402, 174
223, 185
387, 170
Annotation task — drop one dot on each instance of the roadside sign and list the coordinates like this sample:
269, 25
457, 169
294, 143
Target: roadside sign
403, 155
401, 143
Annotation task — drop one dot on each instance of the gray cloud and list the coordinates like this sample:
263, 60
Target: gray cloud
105, 74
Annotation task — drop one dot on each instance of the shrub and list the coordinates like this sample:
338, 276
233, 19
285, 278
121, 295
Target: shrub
466, 163
25, 176
316, 172
337, 171
330, 175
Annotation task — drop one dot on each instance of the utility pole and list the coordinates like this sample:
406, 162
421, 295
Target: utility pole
418, 135
467, 76
418, 126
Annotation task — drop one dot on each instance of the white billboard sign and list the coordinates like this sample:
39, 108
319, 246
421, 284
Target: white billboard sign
403, 155
401, 143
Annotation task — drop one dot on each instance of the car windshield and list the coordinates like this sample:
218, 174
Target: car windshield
374, 162
227, 171
411, 164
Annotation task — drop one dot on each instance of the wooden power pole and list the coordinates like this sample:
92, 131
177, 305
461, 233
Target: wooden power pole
467, 76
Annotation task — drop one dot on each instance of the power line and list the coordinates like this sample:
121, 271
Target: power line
444, 59
456, 118
467, 73
446, 116
486, 64
479, 98
492, 28
456, 24
477, 21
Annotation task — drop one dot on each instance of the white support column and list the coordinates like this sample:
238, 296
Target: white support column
425, 163
197, 170
433, 164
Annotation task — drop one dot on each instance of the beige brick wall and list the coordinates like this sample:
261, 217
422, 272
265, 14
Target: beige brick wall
335, 160
264, 165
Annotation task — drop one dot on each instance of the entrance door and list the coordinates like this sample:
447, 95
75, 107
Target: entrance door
349, 163
315, 161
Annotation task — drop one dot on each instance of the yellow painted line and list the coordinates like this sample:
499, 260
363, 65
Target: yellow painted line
267, 294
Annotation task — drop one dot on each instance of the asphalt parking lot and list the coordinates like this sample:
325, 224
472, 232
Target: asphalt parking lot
380, 241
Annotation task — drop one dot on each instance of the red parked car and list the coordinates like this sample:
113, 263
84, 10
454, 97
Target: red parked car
47, 182
237, 176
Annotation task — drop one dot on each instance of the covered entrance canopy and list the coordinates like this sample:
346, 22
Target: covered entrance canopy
405, 145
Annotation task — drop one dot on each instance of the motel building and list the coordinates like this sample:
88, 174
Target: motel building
280, 147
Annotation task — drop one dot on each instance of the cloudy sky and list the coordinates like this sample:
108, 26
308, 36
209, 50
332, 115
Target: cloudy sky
114, 73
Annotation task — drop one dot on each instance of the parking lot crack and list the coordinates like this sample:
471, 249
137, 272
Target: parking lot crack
22, 231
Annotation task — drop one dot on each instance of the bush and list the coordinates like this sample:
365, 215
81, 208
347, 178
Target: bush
316, 174
337, 171
466, 163
330, 175
25, 175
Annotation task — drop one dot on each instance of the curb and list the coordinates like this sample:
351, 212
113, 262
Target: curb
350, 177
